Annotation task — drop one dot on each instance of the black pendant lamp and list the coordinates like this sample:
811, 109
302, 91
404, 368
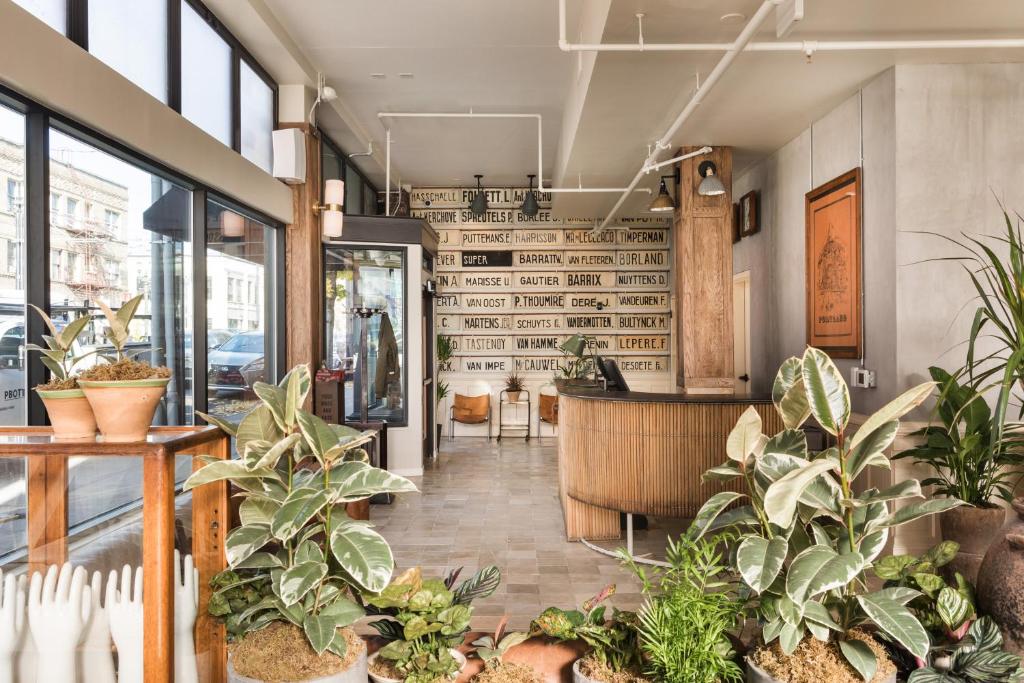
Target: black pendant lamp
663, 202
479, 205
530, 206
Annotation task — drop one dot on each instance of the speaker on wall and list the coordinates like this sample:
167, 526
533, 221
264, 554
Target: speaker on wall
290, 156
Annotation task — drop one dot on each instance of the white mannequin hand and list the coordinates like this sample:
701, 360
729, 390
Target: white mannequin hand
186, 605
26, 650
95, 660
59, 607
12, 623
125, 612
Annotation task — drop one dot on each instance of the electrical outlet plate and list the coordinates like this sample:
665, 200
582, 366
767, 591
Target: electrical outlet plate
862, 378
787, 14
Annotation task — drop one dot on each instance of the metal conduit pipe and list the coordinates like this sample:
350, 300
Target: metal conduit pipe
723, 65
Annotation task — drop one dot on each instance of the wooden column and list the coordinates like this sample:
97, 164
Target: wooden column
304, 286
703, 278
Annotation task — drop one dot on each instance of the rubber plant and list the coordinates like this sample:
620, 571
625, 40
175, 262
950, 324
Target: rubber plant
69, 410
296, 473
807, 539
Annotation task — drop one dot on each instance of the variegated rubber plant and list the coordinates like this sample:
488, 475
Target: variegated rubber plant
58, 356
296, 474
806, 538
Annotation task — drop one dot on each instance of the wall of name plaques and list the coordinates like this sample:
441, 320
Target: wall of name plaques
512, 288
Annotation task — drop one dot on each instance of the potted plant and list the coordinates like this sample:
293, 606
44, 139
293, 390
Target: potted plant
969, 465
513, 387
690, 611
807, 540
445, 352
578, 361
614, 654
297, 563
69, 410
492, 651
427, 620
976, 656
123, 392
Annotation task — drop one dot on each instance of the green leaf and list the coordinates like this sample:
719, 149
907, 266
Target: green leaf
893, 567
298, 509
308, 551
953, 608
827, 394
243, 541
296, 581
339, 645
273, 398
744, 436
352, 481
709, 511
781, 497
223, 424
872, 545
480, 585
296, 386
791, 442
896, 620
817, 613
226, 469
71, 331
893, 410
860, 657
260, 561
789, 395
909, 513
724, 472
319, 435
790, 637
760, 560
258, 425
46, 319
942, 553
272, 455
256, 510
900, 594
819, 569
364, 555
871, 449
54, 367
128, 309
320, 631
344, 612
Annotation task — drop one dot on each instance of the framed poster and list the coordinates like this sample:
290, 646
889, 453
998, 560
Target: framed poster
834, 266
750, 213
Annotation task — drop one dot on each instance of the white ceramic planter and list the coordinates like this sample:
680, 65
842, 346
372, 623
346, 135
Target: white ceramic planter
756, 674
578, 677
354, 674
459, 657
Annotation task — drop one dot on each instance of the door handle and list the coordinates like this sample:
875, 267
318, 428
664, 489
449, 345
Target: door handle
744, 377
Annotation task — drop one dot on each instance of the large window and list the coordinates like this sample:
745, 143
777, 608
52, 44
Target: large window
205, 76
372, 278
12, 269
257, 118
236, 277
360, 195
132, 38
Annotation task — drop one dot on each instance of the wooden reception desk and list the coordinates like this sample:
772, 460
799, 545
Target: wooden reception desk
642, 453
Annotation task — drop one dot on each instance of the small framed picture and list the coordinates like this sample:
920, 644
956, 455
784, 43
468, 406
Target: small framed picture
736, 234
750, 214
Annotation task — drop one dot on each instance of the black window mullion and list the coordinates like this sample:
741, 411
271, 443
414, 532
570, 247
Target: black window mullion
78, 23
200, 361
274, 340
37, 249
236, 100
174, 54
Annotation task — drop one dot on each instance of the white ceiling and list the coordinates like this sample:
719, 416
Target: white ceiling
502, 55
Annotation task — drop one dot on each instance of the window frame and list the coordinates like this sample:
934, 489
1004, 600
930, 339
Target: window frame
344, 165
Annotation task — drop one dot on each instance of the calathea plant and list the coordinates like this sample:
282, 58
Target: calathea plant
977, 658
806, 538
427, 617
296, 474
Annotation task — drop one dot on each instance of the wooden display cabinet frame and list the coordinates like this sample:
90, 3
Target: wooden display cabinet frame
47, 528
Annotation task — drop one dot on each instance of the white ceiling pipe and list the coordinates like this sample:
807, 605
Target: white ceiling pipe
673, 160
723, 65
476, 115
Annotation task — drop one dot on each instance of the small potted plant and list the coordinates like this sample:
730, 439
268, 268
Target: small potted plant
578, 361
492, 651
428, 620
69, 410
445, 351
298, 563
513, 387
123, 392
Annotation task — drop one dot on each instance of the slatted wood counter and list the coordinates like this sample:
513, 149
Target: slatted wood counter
642, 453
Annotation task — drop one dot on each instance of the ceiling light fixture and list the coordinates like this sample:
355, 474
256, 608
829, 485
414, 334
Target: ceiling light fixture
334, 200
663, 202
710, 186
530, 207
733, 18
479, 204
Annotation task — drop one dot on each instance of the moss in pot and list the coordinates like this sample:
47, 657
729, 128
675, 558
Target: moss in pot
123, 392
297, 564
492, 650
69, 410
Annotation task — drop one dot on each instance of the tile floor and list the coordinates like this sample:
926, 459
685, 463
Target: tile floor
486, 503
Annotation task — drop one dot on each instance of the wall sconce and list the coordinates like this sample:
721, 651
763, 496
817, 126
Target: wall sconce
232, 226
479, 205
334, 200
663, 202
530, 208
710, 186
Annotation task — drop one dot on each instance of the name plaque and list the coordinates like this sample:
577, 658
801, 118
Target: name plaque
487, 364
486, 259
528, 280
487, 302
643, 259
591, 259
648, 343
480, 280
552, 300
481, 345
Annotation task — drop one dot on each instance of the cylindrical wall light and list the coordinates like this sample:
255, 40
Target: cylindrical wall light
232, 225
334, 200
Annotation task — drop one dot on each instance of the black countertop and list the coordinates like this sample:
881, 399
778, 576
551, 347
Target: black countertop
599, 394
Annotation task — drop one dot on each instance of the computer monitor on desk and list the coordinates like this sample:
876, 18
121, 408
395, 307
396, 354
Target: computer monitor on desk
614, 380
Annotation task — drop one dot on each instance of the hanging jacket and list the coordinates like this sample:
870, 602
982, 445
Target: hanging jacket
388, 369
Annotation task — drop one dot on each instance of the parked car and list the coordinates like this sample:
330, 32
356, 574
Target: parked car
227, 360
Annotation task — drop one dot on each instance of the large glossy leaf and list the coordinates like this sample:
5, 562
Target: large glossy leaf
872, 545
243, 541
259, 424
789, 395
871, 449
296, 388
744, 435
352, 481
724, 472
260, 561
781, 497
297, 510
823, 493
899, 594
319, 435
271, 456
228, 427
742, 516
827, 394
320, 630
343, 611
226, 469
760, 560
817, 613
364, 555
953, 608
860, 657
819, 569
71, 331
790, 637
908, 488
296, 581
893, 410
791, 442
257, 510
897, 621
709, 511
909, 513
273, 398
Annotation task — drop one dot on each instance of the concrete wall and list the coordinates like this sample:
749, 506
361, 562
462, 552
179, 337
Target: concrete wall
935, 142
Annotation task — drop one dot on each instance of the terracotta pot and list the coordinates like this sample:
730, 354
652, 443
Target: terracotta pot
552, 660
513, 396
124, 410
70, 413
459, 657
756, 674
974, 528
1001, 581
354, 674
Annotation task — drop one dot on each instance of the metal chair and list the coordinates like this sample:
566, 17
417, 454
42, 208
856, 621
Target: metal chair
547, 408
468, 408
